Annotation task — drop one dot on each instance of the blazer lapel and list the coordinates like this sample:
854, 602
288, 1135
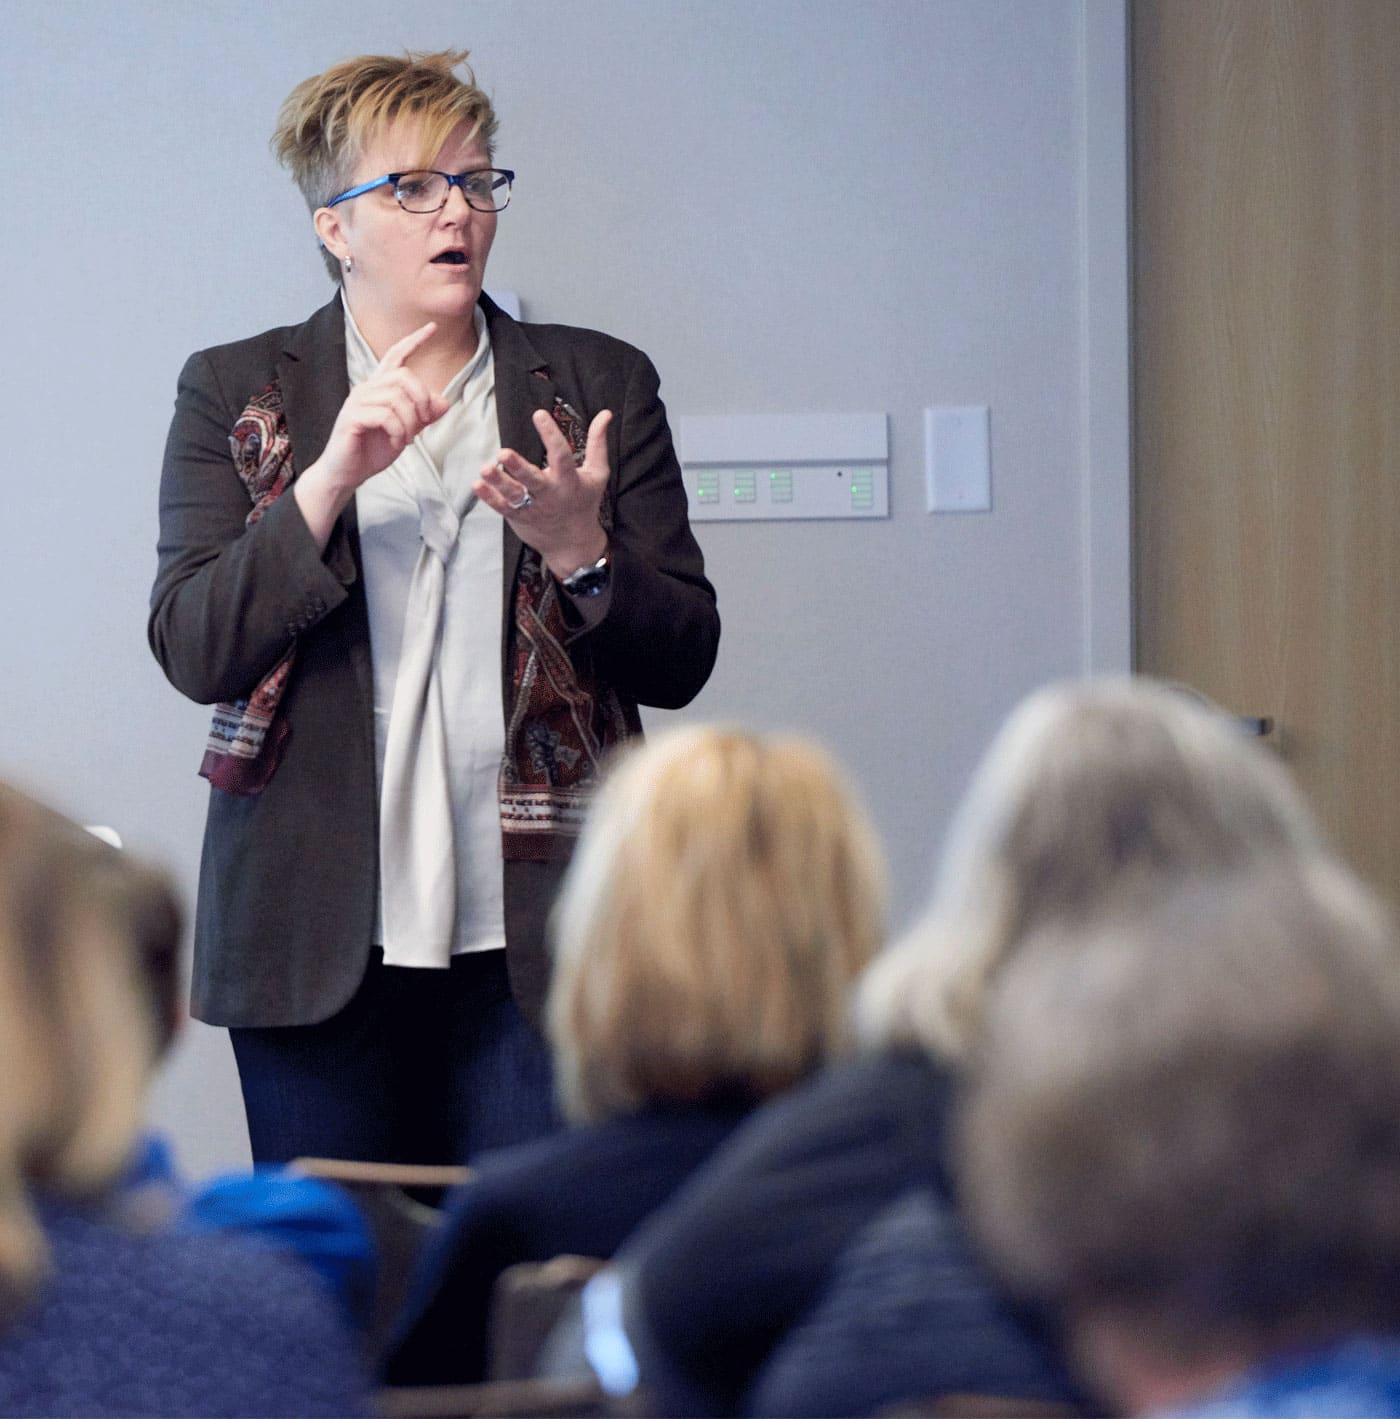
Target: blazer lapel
315, 384
314, 381
523, 385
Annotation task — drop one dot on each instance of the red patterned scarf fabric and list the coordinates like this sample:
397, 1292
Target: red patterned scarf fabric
246, 737
562, 723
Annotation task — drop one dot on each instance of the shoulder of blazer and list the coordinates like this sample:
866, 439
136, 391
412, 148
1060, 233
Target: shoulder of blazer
308, 362
565, 352
257, 356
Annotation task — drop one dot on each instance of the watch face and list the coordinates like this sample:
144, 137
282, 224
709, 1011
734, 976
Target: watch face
588, 581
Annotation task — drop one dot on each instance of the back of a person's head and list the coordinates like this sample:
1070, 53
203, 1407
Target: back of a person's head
1093, 792
1181, 1129
726, 891
80, 1029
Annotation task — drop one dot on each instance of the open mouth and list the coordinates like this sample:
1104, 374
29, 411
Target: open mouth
450, 258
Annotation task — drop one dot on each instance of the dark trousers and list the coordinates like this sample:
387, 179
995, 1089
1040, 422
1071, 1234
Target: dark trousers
422, 1066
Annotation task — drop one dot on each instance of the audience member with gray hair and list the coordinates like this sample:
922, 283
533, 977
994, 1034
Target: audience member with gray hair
1182, 1134
1093, 793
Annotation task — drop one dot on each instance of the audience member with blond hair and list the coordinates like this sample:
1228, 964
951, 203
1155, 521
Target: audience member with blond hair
100, 1311
1093, 792
726, 892
1182, 1136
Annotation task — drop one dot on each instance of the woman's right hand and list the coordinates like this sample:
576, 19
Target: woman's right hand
380, 417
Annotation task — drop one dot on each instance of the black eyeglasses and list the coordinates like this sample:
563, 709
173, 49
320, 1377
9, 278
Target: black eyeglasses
424, 190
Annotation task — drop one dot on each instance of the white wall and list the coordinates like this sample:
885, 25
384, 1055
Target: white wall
792, 205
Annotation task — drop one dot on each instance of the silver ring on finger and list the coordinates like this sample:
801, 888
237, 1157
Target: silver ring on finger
525, 501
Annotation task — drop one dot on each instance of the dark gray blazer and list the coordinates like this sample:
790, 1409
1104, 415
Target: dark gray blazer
288, 877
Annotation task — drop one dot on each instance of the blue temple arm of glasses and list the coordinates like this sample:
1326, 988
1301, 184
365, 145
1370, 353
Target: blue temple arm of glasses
364, 187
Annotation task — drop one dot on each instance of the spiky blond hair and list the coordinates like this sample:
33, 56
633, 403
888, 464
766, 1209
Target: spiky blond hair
329, 119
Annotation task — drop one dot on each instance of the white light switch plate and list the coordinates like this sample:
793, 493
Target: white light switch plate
957, 458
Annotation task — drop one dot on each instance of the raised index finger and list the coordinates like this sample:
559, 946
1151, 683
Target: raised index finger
400, 350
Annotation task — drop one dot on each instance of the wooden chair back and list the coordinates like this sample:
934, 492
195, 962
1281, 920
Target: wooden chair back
397, 1201
527, 1302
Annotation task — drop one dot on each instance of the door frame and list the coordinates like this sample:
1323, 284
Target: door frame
1106, 364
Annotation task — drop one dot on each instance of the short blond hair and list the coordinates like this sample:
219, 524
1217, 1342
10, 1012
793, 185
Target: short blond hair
329, 120
79, 1034
726, 891
1093, 792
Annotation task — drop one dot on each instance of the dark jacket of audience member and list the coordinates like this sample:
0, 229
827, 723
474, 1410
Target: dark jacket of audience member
777, 1207
580, 1192
141, 1323
909, 1273
1092, 793
725, 893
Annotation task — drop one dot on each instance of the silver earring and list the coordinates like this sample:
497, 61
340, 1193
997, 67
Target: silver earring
348, 265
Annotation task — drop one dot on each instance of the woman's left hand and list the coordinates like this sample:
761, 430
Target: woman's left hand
553, 509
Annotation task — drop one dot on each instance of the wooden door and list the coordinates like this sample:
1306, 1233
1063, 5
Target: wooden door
1266, 215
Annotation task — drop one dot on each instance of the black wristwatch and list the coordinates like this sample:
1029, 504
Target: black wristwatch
589, 580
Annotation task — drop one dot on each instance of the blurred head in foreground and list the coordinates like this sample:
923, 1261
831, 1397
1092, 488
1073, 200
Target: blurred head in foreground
89, 945
1182, 1130
726, 891
1093, 792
